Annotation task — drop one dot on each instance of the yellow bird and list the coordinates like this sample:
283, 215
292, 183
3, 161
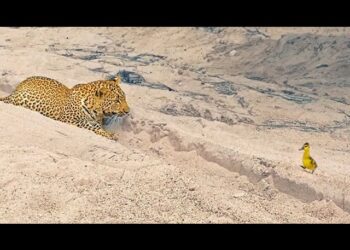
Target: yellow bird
308, 161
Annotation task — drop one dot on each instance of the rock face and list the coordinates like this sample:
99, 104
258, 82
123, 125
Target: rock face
306, 57
131, 77
217, 117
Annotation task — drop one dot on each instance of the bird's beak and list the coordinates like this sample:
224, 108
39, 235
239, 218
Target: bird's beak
301, 148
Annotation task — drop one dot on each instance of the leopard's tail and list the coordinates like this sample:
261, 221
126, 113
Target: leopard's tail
5, 99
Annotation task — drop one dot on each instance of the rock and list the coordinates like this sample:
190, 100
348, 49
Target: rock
233, 52
322, 66
239, 194
225, 88
131, 77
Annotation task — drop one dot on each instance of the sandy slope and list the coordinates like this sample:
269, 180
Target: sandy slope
221, 148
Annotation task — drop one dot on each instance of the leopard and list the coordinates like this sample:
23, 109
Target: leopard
84, 105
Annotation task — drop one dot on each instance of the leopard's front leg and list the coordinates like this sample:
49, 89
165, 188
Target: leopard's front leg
111, 136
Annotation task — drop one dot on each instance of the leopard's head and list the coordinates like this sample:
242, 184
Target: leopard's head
114, 100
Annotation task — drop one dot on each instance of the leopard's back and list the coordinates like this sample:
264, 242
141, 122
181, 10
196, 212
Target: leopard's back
44, 95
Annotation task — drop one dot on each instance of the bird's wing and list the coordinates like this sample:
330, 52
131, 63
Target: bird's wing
313, 162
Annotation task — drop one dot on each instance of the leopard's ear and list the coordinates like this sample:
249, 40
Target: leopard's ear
117, 79
101, 92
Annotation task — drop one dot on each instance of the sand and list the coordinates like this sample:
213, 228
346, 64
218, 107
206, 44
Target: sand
222, 147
